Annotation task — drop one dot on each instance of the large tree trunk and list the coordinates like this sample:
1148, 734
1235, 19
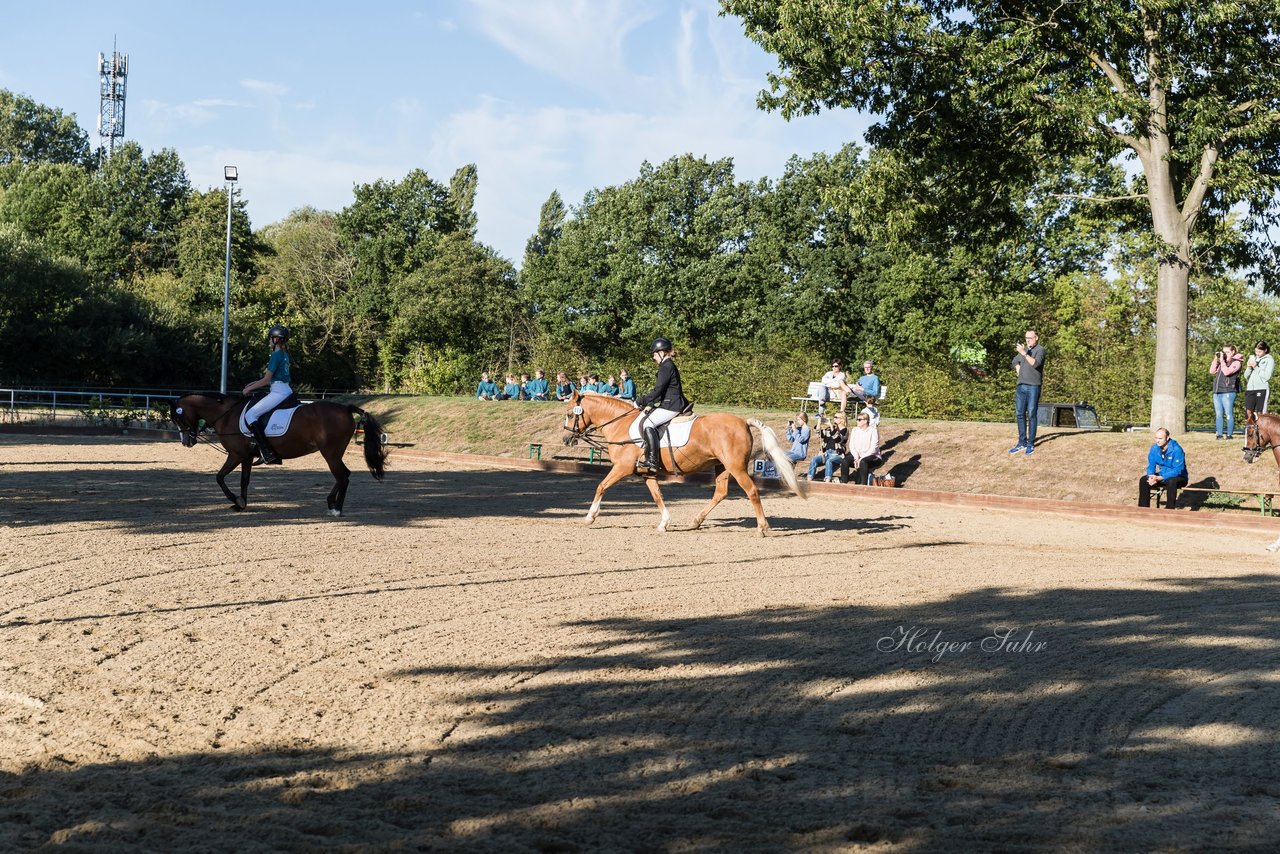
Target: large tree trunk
1169, 385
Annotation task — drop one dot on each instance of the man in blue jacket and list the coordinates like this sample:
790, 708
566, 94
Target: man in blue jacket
1167, 467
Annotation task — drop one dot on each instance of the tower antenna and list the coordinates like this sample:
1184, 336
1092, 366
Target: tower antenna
112, 74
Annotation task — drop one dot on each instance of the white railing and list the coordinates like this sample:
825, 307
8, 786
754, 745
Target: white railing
117, 408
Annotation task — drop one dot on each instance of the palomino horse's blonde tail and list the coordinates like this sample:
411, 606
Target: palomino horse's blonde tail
772, 447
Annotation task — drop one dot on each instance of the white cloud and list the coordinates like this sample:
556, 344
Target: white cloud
580, 42
263, 87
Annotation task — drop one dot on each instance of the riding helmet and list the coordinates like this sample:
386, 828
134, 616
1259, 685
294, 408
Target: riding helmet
281, 332
660, 344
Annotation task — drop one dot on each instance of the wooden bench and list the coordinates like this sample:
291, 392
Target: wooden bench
1266, 498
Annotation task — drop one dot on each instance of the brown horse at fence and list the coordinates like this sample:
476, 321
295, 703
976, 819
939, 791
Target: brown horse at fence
1262, 432
719, 437
322, 426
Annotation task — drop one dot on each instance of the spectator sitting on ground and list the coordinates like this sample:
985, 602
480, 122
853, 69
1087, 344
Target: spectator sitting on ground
627, 386
536, 388
510, 391
584, 384
798, 432
864, 450
487, 389
524, 387
1167, 467
610, 388
834, 435
564, 388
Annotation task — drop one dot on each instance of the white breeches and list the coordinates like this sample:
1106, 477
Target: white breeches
278, 392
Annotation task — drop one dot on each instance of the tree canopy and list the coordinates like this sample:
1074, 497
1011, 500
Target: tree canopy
987, 95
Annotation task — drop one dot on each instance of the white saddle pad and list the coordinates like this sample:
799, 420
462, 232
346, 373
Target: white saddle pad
675, 436
277, 424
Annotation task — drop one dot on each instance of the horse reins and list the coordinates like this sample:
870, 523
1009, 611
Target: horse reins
589, 434
594, 441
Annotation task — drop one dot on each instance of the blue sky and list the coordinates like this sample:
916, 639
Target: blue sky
309, 99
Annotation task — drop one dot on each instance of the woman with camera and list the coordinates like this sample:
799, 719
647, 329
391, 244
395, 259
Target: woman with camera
1257, 381
1225, 370
798, 435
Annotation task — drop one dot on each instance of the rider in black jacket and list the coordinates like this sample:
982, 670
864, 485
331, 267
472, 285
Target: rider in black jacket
669, 401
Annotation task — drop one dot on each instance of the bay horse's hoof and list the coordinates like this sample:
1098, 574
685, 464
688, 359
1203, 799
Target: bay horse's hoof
335, 512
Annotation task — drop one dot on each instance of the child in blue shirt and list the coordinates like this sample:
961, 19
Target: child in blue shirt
487, 389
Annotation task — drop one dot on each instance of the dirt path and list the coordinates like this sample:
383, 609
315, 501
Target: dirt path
460, 663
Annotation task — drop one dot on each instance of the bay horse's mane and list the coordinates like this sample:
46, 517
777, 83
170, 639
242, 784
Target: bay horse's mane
217, 396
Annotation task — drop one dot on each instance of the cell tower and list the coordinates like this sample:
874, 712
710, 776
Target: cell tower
112, 73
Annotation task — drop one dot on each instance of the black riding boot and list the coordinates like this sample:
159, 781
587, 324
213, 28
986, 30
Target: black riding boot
652, 449
268, 454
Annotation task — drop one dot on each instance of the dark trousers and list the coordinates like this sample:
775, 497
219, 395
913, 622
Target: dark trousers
1171, 486
1026, 411
864, 468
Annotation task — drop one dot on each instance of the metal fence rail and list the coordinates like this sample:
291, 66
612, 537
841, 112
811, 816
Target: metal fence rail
124, 408
146, 409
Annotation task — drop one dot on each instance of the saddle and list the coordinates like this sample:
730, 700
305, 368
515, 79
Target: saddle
673, 434
276, 419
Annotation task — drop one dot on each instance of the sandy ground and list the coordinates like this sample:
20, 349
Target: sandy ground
461, 664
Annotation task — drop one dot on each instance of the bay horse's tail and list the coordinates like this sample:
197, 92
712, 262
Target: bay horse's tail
375, 454
772, 447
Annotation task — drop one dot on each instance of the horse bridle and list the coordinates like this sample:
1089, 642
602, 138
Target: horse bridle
191, 436
588, 434
1253, 453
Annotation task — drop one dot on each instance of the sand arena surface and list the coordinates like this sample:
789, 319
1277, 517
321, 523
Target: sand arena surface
460, 664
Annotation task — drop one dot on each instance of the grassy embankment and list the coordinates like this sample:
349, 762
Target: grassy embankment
949, 456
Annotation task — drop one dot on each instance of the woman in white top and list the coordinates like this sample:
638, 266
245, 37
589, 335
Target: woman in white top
833, 385
864, 450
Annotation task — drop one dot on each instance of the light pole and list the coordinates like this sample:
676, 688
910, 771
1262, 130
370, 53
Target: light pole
230, 173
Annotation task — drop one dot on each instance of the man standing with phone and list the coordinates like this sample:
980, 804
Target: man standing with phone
1029, 363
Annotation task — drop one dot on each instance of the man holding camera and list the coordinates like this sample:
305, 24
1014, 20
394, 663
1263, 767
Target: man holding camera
1029, 363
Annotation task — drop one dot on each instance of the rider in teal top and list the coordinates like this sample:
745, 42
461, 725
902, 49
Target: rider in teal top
277, 378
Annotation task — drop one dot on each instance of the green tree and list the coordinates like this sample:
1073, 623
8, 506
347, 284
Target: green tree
665, 253
308, 273
33, 133
462, 195
462, 300
1188, 90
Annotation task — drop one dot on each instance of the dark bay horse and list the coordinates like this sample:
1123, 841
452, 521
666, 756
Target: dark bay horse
322, 426
718, 437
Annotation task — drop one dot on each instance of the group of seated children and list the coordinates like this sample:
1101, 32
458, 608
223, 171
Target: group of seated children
513, 389
539, 389
856, 449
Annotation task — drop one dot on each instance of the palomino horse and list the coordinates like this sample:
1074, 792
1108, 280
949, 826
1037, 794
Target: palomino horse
1259, 434
718, 437
322, 426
